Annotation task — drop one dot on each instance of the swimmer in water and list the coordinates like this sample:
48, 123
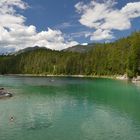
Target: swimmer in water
11, 118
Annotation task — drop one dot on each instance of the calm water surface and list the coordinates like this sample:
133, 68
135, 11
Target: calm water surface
69, 109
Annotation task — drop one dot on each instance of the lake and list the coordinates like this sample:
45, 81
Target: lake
54, 108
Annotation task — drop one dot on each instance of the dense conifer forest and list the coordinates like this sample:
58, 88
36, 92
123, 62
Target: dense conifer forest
117, 58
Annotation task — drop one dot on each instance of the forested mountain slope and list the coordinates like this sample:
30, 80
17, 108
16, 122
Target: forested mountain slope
120, 57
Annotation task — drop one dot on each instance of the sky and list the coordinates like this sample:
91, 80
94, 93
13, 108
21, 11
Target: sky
59, 24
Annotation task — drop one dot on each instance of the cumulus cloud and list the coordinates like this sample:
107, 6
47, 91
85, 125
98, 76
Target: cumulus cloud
15, 35
104, 17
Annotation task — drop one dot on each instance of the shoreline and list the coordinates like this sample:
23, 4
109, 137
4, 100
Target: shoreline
115, 77
78, 76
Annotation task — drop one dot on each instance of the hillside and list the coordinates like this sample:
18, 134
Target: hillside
28, 49
80, 48
77, 48
120, 57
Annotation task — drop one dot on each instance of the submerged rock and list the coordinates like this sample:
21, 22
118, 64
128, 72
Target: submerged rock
4, 93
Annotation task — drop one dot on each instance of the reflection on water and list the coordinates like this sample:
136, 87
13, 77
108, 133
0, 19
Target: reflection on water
69, 108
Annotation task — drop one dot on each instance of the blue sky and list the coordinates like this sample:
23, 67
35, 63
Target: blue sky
59, 24
55, 13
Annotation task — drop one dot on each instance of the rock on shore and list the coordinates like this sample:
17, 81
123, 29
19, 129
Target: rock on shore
136, 79
122, 77
4, 93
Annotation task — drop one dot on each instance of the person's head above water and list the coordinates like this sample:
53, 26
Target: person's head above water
11, 118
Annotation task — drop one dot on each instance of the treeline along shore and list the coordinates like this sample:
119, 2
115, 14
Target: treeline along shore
118, 58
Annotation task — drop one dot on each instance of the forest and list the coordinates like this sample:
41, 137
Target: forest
116, 58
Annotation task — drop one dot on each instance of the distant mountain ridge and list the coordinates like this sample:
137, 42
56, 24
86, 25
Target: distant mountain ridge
80, 48
29, 49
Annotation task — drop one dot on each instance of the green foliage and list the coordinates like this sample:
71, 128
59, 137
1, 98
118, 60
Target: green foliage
120, 57
134, 55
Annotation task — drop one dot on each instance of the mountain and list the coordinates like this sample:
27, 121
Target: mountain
80, 48
115, 58
28, 49
77, 48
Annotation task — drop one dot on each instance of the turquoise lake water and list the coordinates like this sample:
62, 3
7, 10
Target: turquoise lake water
69, 109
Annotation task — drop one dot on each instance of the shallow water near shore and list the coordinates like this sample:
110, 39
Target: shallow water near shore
61, 108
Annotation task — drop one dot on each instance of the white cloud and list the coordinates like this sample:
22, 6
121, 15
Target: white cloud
103, 17
132, 10
101, 35
14, 34
64, 25
80, 34
84, 44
